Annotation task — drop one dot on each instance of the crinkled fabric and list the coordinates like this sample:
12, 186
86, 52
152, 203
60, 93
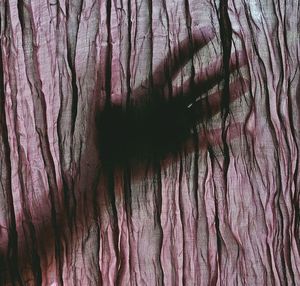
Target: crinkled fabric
149, 142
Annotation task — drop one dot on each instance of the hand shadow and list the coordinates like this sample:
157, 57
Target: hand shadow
153, 126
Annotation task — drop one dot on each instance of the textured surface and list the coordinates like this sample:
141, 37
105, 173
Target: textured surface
221, 209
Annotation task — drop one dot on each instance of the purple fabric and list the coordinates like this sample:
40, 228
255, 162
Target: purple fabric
149, 142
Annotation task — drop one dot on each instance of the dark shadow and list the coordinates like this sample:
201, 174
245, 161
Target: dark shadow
140, 134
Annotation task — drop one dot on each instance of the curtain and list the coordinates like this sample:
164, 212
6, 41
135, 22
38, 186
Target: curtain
149, 142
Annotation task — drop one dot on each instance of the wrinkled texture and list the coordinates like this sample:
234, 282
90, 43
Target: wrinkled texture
221, 209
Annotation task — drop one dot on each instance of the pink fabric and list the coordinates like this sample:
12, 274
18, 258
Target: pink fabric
223, 211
